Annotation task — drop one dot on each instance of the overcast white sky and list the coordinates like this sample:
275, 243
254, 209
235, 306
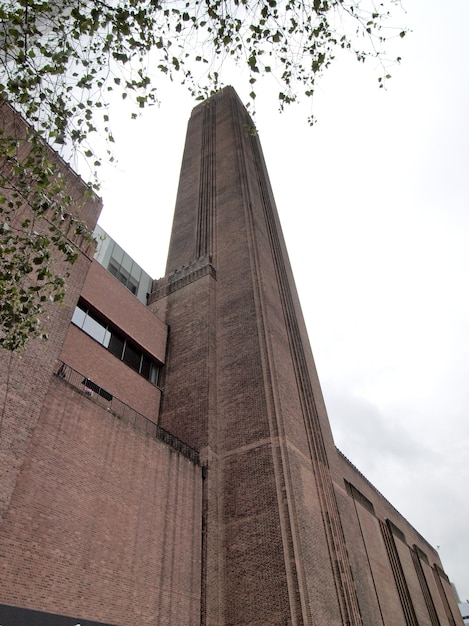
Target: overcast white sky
374, 205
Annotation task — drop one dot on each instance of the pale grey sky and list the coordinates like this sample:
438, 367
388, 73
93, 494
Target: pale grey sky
374, 205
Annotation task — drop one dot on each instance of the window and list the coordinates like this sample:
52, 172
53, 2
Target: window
116, 345
148, 369
123, 276
132, 356
124, 349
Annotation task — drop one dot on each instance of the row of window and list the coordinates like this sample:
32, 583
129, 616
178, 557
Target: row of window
122, 348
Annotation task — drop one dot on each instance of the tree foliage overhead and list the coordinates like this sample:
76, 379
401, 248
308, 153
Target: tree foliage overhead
61, 63
37, 231
60, 60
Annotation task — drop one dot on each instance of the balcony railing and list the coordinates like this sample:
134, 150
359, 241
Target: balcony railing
91, 390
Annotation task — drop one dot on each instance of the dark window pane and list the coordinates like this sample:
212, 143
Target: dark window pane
145, 367
132, 285
116, 345
132, 356
149, 369
113, 268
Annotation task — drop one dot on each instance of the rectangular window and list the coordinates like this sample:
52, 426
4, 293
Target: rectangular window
145, 367
116, 345
132, 285
132, 356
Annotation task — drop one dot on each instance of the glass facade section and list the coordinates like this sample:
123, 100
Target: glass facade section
118, 263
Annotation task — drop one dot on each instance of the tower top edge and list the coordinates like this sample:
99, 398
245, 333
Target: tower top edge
227, 93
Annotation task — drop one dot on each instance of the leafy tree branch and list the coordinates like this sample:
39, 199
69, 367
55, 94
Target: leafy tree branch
61, 62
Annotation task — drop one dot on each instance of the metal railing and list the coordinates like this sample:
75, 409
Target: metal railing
91, 390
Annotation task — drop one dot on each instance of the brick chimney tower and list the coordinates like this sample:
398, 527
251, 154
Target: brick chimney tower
108, 519
241, 387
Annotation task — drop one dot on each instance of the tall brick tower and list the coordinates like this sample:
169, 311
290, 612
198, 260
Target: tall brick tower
242, 388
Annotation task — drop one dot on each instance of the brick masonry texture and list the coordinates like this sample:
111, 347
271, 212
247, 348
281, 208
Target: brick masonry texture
24, 377
93, 361
105, 521
120, 307
277, 528
284, 542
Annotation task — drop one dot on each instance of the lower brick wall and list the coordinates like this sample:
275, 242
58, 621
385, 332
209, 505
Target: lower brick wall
104, 522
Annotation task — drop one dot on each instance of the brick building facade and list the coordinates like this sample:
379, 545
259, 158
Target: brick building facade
171, 462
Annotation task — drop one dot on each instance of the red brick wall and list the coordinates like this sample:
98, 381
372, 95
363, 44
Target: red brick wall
24, 376
436, 597
376, 590
104, 523
95, 362
122, 308
187, 405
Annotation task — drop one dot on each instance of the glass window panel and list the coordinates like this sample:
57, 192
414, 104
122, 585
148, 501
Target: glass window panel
154, 371
145, 367
117, 254
94, 329
136, 273
103, 246
107, 339
149, 369
113, 268
132, 356
126, 263
132, 285
116, 345
122, 278
123, 275
78, 317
